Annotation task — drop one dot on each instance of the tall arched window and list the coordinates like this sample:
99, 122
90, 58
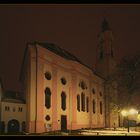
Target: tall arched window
87, 104
101, 107
47, 98
83, 101
100, 93
63, 100
78, 102
93, 106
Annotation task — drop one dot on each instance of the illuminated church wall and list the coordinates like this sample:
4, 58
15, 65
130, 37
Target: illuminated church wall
41, 118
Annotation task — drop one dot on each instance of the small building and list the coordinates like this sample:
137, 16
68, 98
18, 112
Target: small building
12, 112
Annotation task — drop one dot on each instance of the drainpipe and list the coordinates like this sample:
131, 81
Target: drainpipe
36, 88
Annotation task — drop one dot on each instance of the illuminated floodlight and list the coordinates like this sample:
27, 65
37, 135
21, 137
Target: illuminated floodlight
133, 111
124, 113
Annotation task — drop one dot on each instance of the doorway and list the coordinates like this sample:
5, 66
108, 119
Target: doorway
63, 122
13, 126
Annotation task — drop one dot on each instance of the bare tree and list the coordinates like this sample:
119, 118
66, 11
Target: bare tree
126, 79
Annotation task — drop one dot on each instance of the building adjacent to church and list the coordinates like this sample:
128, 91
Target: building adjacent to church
62, 92
12, 111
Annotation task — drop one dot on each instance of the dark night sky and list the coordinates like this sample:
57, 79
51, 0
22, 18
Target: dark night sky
72, 27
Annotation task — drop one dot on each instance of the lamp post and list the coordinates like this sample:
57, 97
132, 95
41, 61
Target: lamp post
126, 113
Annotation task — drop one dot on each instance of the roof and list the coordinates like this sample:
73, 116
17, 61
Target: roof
13, 100
59, 51
13, 96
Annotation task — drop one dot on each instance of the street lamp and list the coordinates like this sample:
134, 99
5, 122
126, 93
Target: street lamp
126, 113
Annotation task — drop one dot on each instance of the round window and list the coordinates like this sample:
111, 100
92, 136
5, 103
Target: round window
47, 118
83, 85
63, 81
48, 75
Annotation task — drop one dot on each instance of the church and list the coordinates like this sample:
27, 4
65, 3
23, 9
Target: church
62, 93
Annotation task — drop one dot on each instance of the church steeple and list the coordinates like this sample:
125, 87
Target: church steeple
105, 40
105, 50
106, 66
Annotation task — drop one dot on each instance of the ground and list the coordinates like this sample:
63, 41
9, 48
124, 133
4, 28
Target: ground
100, 132
89, 132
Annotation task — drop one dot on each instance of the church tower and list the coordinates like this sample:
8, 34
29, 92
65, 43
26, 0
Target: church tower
105, 66
105, 51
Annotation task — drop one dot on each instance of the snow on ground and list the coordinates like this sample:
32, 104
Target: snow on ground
110, 132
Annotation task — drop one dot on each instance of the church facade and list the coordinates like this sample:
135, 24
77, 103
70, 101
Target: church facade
63, 93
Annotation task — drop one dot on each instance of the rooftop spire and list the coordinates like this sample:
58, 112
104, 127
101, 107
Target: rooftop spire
104, 26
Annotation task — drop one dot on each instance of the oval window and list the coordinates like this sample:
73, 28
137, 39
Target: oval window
48, 75
83, 85
63, 81
47, 118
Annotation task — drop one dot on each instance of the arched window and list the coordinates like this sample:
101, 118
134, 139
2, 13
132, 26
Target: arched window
93, 105
78, 102
63, 100
83, 85
87, 104
93, 91
83, 101
100, 93
101, 54
100, 107
47, 98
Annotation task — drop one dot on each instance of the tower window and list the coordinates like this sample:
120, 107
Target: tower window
63, 100
101, 54
94, 106
101, 107
83, 101
47, 98
87, 104
93, 91
83, 85
112, 50
78, 102
100, 93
